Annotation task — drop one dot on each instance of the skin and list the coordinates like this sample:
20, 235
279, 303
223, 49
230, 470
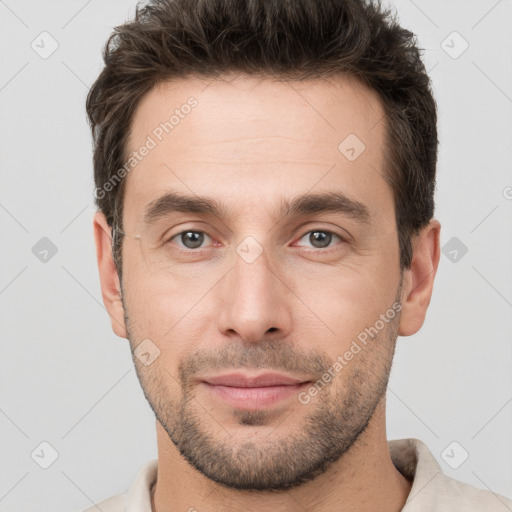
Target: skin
249, 143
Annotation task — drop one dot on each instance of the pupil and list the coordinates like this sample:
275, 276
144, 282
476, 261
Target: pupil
195, 238
323, 240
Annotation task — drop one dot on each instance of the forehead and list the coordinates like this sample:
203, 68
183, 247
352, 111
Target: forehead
252, 141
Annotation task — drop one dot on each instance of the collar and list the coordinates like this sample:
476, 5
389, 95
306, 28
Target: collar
431, 490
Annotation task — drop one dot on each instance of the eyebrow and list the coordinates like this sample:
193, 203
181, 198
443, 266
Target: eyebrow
307, 204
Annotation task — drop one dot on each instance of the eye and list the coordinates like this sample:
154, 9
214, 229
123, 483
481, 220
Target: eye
321, 238
190, 239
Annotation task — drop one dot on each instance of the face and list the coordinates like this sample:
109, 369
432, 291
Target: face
287, 265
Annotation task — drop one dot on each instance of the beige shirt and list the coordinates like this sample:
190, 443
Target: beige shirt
431, 491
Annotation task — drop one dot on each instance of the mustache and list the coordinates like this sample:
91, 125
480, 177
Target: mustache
268, 355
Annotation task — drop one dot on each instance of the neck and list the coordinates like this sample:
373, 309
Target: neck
363, 479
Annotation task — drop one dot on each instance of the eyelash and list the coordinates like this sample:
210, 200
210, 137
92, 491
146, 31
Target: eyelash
326, 249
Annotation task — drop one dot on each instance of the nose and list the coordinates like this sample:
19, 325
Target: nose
256, 301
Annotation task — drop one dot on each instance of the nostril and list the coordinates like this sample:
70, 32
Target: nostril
272, 329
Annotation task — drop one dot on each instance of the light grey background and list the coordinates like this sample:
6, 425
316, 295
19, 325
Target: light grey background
67, 380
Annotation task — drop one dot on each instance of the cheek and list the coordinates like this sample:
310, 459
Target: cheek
346, 300
167, 308
343, 306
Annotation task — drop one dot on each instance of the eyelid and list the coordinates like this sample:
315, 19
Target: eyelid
342, 238
177, 235
317, 226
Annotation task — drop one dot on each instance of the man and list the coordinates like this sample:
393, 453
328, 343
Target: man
265, 174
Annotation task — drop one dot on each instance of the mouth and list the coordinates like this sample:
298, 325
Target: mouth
253, 392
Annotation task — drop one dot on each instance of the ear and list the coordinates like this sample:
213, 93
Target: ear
419, 279
109, 279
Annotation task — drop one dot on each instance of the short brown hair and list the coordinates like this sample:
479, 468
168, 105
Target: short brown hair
280, 39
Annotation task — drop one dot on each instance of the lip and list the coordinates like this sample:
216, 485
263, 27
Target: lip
253, 392
241, 380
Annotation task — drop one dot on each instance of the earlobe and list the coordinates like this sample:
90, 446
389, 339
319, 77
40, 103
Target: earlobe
109, 279
419, 279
